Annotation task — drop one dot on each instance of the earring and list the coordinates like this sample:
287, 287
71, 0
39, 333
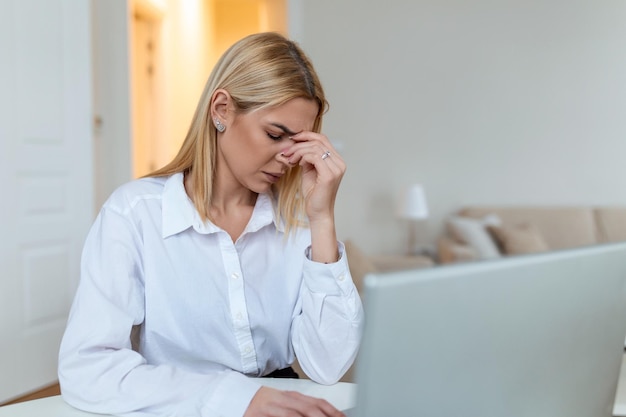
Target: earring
218, 125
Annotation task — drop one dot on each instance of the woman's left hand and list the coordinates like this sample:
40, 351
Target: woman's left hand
322, 171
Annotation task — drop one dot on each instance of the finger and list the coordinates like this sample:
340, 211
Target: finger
329, 160
306, 135
308, 146
310, 138
313, 407
314, 154
327, 168
323, 152
329, 409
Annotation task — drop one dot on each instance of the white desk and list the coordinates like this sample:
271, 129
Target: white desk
341, 395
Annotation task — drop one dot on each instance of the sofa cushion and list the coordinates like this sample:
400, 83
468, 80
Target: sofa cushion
473, 232
449, 250
388, 263
561, 227
518, 239
611, 223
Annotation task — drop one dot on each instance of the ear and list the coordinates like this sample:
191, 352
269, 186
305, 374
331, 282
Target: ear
221, 103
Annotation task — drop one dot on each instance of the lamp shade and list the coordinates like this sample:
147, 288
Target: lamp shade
412, 203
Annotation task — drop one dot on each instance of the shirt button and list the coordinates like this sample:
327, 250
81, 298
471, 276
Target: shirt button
247, 350
234, 275
239, 316
341, 277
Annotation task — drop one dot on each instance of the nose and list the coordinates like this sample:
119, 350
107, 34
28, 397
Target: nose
284, 148
280, 157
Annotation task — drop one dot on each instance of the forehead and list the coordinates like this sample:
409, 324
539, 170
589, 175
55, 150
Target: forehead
297, 114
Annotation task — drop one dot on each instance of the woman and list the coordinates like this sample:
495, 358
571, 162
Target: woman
224, 264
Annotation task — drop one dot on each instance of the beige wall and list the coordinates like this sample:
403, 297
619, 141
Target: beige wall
235, 19
515, 102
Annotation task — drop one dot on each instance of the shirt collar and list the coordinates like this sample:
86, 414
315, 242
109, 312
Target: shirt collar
264, 214
179, 213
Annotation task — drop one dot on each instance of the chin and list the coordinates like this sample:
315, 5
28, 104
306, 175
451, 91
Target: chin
260, 188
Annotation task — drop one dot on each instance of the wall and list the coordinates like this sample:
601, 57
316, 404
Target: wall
516, 102
186, 61
112, 107
235, 19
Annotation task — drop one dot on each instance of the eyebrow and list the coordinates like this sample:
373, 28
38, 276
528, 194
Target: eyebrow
284, 129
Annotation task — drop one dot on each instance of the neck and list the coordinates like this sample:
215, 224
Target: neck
226, 195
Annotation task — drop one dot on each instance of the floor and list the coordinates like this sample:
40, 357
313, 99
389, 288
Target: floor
42, 393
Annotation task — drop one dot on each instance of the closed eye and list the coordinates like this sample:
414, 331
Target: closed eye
274, 137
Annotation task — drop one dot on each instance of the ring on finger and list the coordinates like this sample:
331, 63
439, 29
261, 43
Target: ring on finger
325, 155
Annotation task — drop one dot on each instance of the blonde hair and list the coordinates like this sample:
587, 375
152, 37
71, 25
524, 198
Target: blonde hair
259, 71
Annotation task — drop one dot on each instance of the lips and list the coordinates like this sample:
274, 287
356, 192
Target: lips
273, 177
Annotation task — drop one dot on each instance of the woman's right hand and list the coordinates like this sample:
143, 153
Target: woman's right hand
270, 402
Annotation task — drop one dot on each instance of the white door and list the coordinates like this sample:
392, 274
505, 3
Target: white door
46, 175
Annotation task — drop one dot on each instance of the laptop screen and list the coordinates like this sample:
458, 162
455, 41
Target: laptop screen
537, 335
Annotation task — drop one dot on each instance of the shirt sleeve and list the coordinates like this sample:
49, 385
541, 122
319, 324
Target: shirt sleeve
327, 331
98, 369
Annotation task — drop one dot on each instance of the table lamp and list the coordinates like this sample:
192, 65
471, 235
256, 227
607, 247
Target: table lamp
412, 206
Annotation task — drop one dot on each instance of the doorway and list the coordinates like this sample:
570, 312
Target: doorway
173, 47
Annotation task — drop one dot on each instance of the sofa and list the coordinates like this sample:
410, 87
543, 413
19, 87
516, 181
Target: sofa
362, 264
487, 232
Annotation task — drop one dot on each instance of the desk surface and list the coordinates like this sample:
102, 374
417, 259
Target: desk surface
341, 395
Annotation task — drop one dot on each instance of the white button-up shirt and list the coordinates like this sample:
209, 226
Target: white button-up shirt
210, 313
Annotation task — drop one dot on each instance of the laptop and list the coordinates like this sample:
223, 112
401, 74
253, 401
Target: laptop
533, 335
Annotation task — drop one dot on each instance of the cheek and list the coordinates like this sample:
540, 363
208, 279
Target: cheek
246, 154
257, 147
